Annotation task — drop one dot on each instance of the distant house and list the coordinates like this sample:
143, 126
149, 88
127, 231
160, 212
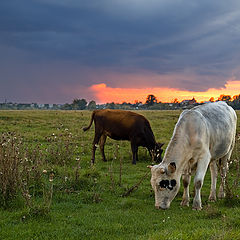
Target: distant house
186, 103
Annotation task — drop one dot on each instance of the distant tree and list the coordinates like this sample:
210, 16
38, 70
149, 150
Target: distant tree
236, 102
110, 105
151, 99
211, 99
226, 98
79, 104
175, 100
67, 106
236, 98
46, 106
91, 105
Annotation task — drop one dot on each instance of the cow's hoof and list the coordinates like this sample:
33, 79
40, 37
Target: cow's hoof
212, 199
197, 208
184, 203
221, 195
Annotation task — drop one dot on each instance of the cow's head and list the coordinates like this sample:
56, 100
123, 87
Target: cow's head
165, 184
157, 153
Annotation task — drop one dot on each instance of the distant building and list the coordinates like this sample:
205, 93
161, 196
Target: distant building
188, 103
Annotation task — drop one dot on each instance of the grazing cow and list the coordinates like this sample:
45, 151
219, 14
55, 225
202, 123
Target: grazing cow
124, 125
203, 135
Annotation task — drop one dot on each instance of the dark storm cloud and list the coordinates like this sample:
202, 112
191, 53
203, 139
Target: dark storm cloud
62, 42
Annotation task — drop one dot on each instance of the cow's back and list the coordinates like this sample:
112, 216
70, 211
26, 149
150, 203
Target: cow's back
120, 124
220, 121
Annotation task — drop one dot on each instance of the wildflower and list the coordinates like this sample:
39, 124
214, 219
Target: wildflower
44, 171
77, 158
51, 177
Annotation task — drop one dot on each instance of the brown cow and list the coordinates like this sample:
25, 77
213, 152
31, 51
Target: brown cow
124, 125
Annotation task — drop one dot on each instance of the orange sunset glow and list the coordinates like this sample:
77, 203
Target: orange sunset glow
106, 94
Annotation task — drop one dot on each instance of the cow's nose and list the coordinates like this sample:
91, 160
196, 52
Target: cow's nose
157, 207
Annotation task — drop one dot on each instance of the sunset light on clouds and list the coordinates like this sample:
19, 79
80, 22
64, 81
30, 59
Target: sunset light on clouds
105, 94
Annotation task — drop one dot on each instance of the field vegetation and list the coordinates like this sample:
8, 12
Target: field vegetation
49, 190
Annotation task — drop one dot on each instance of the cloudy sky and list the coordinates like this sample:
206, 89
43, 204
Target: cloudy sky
52, 51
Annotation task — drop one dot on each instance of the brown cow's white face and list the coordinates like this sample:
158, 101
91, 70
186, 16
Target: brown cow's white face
165, 184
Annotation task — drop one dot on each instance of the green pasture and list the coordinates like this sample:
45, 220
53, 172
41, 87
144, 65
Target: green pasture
88, 202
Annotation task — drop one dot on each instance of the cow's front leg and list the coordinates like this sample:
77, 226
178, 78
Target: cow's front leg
186, 178
214, 171
202, 165
134, 148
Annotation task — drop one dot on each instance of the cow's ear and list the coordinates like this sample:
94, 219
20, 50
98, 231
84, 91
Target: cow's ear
172, 167
149, 166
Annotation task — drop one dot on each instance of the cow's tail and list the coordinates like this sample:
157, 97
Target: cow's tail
86, 128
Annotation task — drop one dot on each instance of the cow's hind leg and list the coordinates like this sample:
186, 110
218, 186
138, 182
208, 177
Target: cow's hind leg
202, 165
101, 145
223, 165
94, 145
186, 178
214, 171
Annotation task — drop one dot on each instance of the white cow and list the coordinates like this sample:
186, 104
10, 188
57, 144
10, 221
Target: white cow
203, 135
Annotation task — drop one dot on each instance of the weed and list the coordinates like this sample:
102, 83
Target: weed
10, 167
233, 178
60, 148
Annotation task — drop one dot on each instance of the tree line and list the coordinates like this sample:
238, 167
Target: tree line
151, 103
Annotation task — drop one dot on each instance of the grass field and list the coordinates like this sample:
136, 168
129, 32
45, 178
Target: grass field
87, 202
